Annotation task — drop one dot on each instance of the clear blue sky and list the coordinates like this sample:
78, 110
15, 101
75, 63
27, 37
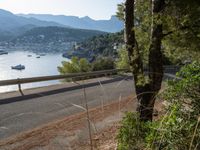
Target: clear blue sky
96, 9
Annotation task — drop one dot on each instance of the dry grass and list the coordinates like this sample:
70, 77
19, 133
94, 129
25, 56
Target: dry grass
70, 131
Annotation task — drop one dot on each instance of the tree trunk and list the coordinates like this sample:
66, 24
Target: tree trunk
145, 92
155, 54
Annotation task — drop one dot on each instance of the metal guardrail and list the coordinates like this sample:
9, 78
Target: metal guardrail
56, 77
20, 81
167, 68
70, 75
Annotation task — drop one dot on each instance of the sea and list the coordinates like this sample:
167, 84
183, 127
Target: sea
36, 65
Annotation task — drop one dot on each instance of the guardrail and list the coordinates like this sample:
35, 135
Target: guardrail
167, 68
20, 81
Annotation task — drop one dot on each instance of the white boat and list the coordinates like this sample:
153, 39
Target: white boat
18, 67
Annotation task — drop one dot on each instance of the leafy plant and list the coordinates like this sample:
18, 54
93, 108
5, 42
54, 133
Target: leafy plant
105, 63
131, 133
122, 62
178, 128
76, 65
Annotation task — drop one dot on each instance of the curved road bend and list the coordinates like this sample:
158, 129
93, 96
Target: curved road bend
42, 105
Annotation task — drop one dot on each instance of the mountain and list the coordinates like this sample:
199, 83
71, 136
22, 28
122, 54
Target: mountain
10, 21
51, 39
111, 25
53, 34
37, 35
12, 25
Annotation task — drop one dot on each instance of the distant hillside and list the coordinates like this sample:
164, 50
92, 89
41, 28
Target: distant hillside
50, 33
42, 35
98, 46
112, 25
12, 25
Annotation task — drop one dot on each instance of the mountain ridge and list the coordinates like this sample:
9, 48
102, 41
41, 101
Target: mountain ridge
13, 25
111, 25
11, 21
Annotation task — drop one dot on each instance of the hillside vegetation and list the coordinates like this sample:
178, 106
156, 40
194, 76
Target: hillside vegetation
104, 45
55, 35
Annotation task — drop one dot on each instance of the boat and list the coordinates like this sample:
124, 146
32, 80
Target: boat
18, 67
29, 55
38, 57
3, 52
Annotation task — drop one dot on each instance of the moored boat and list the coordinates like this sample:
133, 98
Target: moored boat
18, 67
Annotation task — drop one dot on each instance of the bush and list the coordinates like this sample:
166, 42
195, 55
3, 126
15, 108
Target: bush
105, 63
178, 128
76, 65
123, 61
131, 133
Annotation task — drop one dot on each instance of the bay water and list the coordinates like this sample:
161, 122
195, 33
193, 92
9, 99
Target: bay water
35, 65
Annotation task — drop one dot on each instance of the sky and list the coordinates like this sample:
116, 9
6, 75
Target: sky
96, 9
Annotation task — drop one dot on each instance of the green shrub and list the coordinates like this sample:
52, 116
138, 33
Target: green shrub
76, 65
131, 133
179, 127
104, 63
123, 61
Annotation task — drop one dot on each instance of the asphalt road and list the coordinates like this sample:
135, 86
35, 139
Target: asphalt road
43, 105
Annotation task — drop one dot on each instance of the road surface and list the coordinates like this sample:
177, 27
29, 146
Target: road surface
42, 105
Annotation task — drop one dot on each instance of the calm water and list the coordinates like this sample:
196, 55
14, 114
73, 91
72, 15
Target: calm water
43, 66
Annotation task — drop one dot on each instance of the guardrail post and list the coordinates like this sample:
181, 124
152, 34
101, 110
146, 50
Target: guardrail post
20, 88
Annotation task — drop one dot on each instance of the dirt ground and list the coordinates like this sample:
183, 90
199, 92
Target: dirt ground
71, 133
